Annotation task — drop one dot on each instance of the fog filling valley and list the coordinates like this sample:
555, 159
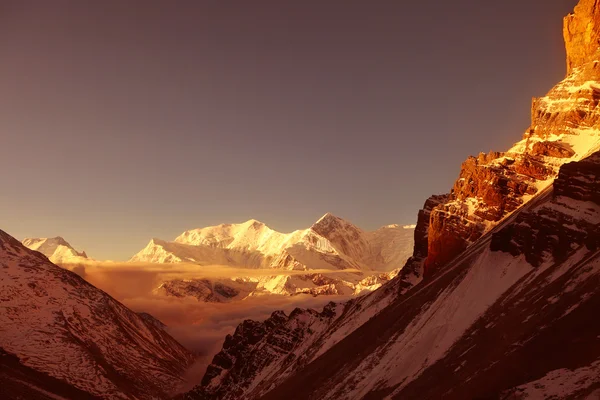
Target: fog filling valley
199, 326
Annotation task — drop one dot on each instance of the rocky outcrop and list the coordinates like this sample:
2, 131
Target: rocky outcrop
580, 180
262, 348
582, 34
206, 290
412, 272
489, 187
552, 149
572, 218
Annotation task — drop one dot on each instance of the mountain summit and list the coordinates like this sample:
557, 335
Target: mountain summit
582, 35
57, 249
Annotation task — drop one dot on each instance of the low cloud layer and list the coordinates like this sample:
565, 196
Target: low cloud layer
125, 280
132, 280
199, 326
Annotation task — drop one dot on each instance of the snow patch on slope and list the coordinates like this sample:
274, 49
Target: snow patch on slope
560, 384
433, 332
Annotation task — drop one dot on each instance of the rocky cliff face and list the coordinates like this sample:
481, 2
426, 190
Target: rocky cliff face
412, 272
565, 127
582, 34
267, 349
571, 218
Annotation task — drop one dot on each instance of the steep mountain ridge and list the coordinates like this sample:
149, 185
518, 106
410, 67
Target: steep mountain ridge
463, 333
255, 360
330, 244
267, 348
499, 297
565, 127
60, 331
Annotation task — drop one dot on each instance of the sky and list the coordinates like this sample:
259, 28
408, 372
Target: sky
126, 120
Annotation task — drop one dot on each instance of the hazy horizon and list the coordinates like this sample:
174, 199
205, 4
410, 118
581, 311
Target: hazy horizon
200, 113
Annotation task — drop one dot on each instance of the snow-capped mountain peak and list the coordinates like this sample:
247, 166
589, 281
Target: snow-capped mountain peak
330, 222
329, 218
344, 236
246, 234
57, 249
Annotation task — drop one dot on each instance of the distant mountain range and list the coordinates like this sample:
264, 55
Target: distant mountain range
359, 261
331, 244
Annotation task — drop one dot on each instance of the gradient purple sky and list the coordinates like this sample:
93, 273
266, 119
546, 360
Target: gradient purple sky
127, 120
